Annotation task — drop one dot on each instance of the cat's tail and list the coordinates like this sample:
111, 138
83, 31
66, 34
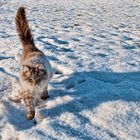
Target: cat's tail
23, 29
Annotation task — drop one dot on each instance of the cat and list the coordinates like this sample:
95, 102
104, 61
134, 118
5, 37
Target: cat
35, 70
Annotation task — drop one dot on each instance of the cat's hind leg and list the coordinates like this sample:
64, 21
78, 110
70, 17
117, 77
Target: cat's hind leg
15, 99
16, 94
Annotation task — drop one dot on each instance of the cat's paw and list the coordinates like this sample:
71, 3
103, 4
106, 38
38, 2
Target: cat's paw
30, 115
45, 97
16, 100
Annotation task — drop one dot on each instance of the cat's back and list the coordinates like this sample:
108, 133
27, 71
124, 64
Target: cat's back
29, 53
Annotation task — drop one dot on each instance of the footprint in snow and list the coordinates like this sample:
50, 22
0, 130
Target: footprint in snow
75, 83
56, 71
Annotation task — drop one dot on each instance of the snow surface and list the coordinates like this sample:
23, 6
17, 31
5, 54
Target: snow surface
94, 48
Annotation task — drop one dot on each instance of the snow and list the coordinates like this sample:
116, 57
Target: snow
94, 48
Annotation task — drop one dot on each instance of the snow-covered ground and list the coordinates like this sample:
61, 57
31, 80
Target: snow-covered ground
94, 48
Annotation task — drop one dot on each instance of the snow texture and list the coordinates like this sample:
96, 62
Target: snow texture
94, 48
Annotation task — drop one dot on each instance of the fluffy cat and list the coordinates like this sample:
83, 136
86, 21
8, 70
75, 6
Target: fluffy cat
35, 69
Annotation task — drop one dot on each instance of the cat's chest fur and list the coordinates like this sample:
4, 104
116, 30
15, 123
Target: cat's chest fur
33, 62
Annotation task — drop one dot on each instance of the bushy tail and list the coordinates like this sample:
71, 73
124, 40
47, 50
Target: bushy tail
23, 29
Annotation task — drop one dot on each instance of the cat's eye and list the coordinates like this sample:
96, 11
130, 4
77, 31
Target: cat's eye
29, 79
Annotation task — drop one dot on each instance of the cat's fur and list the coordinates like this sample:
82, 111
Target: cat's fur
35, 69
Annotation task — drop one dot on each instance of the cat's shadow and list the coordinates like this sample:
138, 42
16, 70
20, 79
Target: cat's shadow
88, 90
105, 87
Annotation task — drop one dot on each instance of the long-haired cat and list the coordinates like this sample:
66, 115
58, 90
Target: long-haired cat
35, 69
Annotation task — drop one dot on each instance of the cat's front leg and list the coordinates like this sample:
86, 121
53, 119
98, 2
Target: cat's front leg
30, 106
44, 95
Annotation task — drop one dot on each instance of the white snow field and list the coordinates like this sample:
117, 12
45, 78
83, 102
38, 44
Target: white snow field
94, 48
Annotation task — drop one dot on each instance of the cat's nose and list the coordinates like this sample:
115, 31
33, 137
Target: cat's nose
38, 80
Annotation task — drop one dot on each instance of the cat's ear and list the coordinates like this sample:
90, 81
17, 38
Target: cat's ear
26, 68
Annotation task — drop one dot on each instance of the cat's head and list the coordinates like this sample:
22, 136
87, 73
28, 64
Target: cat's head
34, 75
